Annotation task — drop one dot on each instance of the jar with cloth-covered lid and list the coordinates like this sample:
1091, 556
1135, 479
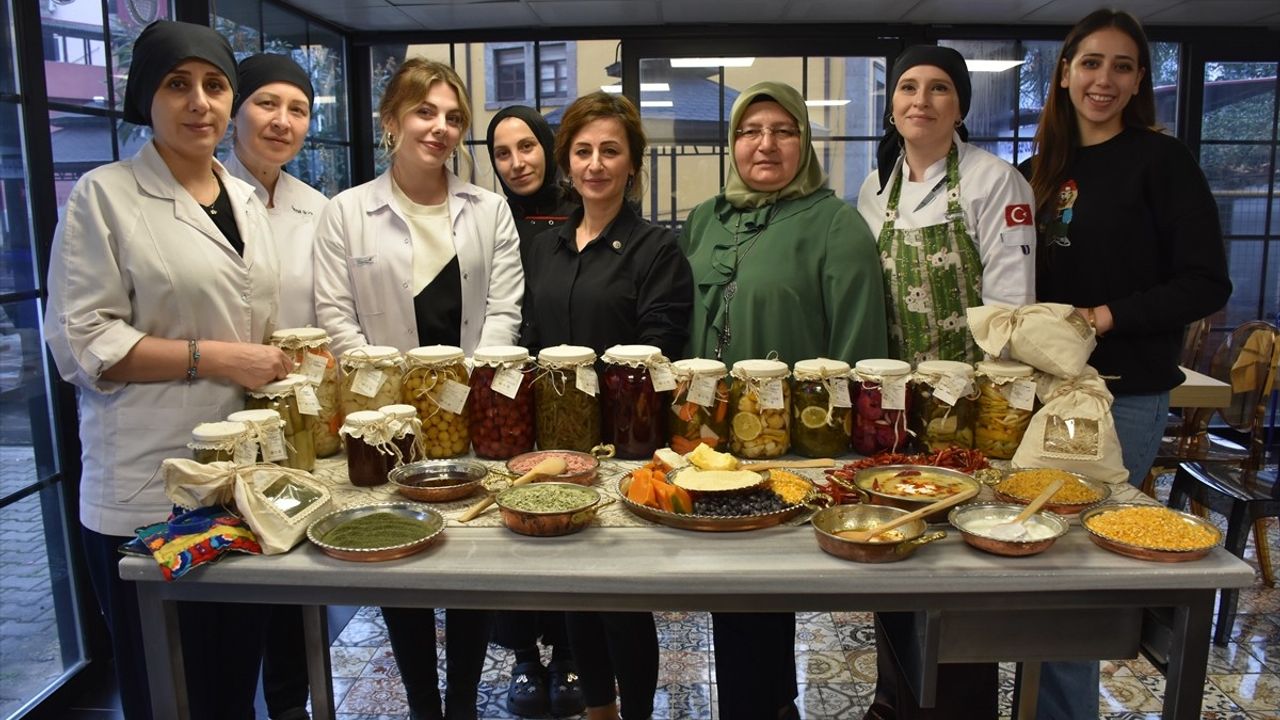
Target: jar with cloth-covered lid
821, 409
637, 384
699, 405
371, 377
567, 396
881, 406
266, 432
436, 382
406, 428
290, 397
760, 403
502, 408
1006, 401
309, 348
370, 452
945, 404
219, 441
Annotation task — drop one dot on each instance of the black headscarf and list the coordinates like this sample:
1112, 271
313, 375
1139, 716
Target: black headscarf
547, 196
258, 70
952, 63
162, 46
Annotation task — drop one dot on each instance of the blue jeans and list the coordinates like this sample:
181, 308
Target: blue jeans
1069, 690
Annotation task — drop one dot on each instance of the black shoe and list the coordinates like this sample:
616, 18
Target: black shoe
527, 694
565, 692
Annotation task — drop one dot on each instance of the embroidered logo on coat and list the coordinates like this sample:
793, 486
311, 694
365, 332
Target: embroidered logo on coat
1015, 215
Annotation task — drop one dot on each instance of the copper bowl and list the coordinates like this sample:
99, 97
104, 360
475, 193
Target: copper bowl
1103, 490
962, 517
547, 523
580, 468
865, 478
432, 521
1148, 553
438, 480
837, 518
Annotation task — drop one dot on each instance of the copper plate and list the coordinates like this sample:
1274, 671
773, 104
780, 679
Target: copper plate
522, 463
1146, 553
707, 523
1103, 490
437, 480
863, 478
431, 519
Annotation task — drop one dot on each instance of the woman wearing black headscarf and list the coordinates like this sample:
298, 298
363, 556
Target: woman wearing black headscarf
163, 287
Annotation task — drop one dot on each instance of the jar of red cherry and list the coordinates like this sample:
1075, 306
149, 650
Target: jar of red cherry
502, 409
637, 384
880, 408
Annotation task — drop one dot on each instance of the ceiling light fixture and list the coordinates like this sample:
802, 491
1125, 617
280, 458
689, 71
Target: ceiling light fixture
992, 65
712, 62
826, 103
644, 87
656, 103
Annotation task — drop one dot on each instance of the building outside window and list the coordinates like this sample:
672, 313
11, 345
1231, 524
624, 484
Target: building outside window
511, 78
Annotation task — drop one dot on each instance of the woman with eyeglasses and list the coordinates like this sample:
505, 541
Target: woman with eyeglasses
780, 265
954, 222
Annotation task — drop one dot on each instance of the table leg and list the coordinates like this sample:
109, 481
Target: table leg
1188, 657
162, 644
315, 627
1028, 690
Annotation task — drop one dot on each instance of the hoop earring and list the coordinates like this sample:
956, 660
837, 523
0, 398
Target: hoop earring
388, 139
959, 123
631, 183
892, 121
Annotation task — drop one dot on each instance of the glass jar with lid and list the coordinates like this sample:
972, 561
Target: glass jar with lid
567, 396
945, 404
370, 454
821, 409
637, 384
1006, 400
760, 404
699, 405
309, 348
405, 431
436, 382
266, 434
502, 409
219, 441
881, 406
371, 377
286, 397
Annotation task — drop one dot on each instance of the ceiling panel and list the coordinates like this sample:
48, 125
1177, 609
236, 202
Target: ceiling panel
570, 13
973, 11
744, 11
1235, 12
379, 17
476, 15
857, 11
1070, 11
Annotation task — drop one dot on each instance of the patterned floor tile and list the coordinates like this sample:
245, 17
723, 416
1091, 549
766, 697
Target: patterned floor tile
1214, 702
819, 635
367, 716
1267, 653
364, 630
374, 695
492, 704
823, 667
838, 701
1253, 693
1264, 715
689, 632
681, 701
1128, 715
862, 663
349, 661
679, 667
857, 637
1126, 693
382, 664
851, 618
1236, 659
1259, 627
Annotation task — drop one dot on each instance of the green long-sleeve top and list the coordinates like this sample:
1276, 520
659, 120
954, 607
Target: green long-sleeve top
808, 280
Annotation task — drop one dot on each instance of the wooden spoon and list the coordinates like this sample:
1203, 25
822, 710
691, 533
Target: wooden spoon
780, 464
1016, 529
943, 504
550, 466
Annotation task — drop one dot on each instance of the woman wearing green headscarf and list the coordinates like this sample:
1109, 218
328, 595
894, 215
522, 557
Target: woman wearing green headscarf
780, 264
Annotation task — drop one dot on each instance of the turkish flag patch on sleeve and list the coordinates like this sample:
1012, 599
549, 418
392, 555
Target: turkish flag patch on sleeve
1015, 215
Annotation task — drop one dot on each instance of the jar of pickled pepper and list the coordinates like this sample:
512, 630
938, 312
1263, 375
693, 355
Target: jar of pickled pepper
567, 396
436, 382
367, 435
405, 430
283, 397
637, 384
266, 434
699, 405
309, 348
881, 406
945, 404
760, 404
371, 377
821, 409
218, 441
502, 410
1006, 400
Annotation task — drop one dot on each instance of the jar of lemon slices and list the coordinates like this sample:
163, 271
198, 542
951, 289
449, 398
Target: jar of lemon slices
760, 403
821, 411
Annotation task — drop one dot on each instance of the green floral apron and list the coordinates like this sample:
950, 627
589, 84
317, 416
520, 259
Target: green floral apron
931, 275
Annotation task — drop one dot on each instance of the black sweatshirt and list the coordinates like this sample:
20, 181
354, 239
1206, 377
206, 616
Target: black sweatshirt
1142, 237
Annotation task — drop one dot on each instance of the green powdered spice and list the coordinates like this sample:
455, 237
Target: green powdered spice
546, 498
378, 530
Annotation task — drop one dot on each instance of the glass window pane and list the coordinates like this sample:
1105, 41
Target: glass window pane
1239, 101
80, 144
17, 263
132, 137
996, 88
1275, 192
1036, 75
847, 164
325, 167
8, 76
237, 21
1271, 284
845, 96
127, 19
1244, 262
1166, 73
1238, 176
74, 72
386, 59
283, 32
327, 64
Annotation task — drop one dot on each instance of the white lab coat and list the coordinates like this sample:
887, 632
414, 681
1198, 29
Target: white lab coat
134, 255
364, 268
293, 217
991, 191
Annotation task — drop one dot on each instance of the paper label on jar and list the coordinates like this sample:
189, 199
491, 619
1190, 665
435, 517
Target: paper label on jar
451, 396
585, 379
1020, 394
840, 393
506, 382
273, 446
702, 391
313, 366
246, 452
893, 395
367, 381
662, 378
308, 403
771, 394
951, 388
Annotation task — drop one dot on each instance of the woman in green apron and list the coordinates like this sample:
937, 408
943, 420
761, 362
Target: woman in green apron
953, 222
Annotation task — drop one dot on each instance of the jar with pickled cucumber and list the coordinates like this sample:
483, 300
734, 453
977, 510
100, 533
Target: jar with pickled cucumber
219, 441
266, 435
309, 348
371, 377
821, 409
699, 405
567, 396
881, 406
945, 404
760, 405
370, 453
637, 384
436, 382
502, 409
1006, 400
286, 398
405, 428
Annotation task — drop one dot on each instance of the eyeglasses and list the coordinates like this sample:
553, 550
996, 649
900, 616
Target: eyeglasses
780, 134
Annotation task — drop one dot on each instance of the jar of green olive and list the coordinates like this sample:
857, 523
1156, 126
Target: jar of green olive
821, 410
286, 397
760, 402
218, 442
699, 405
371, 377
266, 433
437, 383
567, 399
309, 348
944, 404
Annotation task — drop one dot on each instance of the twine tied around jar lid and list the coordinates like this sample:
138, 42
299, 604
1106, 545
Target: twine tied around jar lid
828, 372
555, 363
261, 424
298, 338
404, 420
377, 356
1000, 372
935, 372
435, 364
874, 373
690, 370
221, 436
635, 356
278, 388
755, 374
375, 429
503, 357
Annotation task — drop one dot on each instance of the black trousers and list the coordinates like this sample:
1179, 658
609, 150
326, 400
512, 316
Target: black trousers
412, 632
755, 663
966, 691
520, 629
284, 661
619, 647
